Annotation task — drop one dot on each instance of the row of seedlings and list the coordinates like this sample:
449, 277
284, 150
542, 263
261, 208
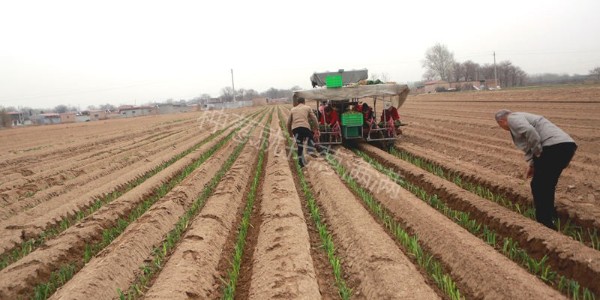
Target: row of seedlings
66, 271
327, 239
91, 160
28, 246
233, 273
566, 225
410, 243
159, 255
506, 245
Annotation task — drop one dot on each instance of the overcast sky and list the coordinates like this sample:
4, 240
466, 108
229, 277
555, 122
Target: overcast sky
124, 52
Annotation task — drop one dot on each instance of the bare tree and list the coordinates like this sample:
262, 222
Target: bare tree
227, 94
429, 75
439, 61
271, 93
108, 107
521, 77
470, 70
510, 75
5, 120
59, 109
457, 72
251, 94
486, 72
240, 93
595, 72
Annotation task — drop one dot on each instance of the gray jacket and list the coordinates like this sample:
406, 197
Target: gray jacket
531, 133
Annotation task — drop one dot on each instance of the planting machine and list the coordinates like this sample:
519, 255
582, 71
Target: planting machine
346, 92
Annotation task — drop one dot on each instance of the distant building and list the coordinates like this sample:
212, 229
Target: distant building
68, 117
47, 119
434, 86
95, 115
136, 111
16, 118
170, 108
216, 103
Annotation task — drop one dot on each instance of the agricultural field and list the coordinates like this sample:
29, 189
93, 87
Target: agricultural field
212, 205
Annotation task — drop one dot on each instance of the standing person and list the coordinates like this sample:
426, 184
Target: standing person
548, 150
302, 119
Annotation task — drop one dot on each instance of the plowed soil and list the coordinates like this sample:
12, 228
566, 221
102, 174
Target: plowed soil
459, 128
50, 174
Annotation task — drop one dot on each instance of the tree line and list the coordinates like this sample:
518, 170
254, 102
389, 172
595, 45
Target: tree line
227, 94
440, 64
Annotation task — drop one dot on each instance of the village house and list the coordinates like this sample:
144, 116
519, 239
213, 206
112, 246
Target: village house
95, 115
136, 111
436, 85
47, 119
68, 117
170, 108
216, 103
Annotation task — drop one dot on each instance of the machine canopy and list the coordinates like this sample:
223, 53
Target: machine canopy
396, 93
348, 77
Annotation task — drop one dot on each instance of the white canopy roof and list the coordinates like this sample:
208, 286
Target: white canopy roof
397, 93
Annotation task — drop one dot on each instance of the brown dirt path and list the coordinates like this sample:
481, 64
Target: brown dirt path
191, 271
566, 255
21, 277
371, 256
480, 271
282, 266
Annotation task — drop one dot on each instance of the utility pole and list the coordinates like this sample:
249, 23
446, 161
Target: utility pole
495, 70
232, 85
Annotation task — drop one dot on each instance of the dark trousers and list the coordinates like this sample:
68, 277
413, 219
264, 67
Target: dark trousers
301, 134
546, 171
